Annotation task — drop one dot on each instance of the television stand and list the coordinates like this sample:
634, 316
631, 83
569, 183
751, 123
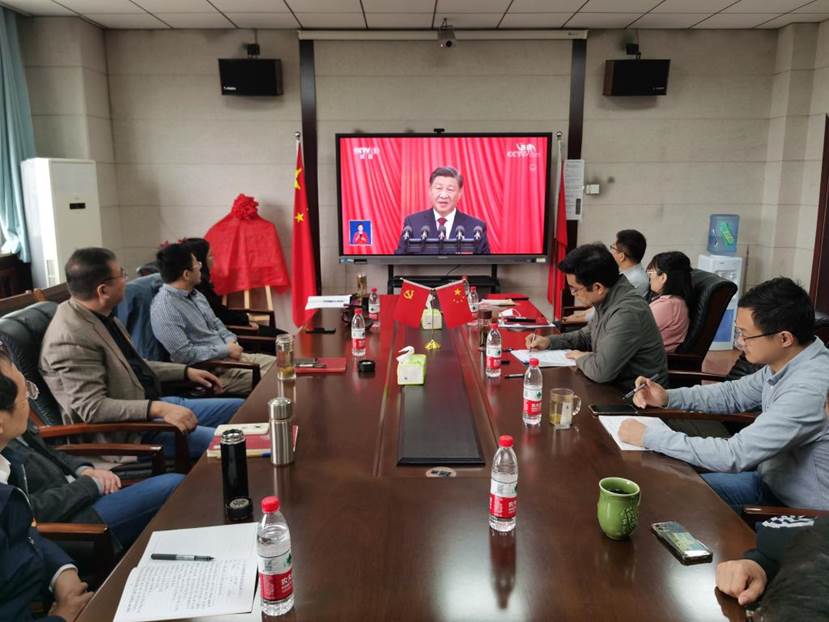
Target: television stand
480, 281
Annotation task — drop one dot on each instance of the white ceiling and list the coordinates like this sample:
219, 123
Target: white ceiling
421, 14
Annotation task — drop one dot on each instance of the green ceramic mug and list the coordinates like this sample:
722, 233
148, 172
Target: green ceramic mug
618, 507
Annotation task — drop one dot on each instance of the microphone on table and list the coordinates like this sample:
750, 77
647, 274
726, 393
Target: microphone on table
477, 232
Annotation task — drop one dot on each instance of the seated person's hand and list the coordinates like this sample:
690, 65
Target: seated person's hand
652, 395
71, 595
743, 579
183, 418
537, 342
575, 354
108, 480
632, 432
235, 350
205, 378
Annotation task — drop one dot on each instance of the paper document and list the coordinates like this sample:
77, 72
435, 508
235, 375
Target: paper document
546, 358
168, 590
611, 423
327, 302
498, 302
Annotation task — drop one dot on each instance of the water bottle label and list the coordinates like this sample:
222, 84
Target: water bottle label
358, 344
503, 499
358, 333
532, 401
493, 362
473, 307
373, 309
276, 577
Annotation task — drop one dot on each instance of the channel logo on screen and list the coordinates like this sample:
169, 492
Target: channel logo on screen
366, 153
524, 150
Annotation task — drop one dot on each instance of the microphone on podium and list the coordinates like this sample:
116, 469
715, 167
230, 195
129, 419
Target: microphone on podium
424, 232
477, 232
407, 233
459, 233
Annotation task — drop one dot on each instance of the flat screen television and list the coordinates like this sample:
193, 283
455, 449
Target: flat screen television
443, 198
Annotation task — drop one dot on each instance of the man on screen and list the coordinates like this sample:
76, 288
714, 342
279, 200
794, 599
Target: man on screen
443, 219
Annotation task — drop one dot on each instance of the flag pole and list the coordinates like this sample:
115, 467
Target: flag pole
432, 345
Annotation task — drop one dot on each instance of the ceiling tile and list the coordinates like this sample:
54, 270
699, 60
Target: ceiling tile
733, 20
399, 20
263, 20
765, 6
469, 20
669, 20
618, 6
399, 6
534, 20
195, 20
37, 7
794, 18
602, 20
692, 6
102, 6
472, 6
545, 6
325, 6
250, 6
122, 20
331, 20
818, 6
176, 6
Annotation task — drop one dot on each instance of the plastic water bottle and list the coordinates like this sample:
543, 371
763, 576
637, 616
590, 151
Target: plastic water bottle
466, 287
493, 352
273, 546
503, 487
374, 307
533, 382
358, 334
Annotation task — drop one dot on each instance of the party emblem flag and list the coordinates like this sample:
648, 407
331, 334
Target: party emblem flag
410, 303
454, 304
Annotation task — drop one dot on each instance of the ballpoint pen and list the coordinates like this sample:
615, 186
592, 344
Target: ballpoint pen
636, 390
174, 557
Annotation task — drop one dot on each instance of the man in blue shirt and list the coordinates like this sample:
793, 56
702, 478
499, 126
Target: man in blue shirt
783, 456
187, 327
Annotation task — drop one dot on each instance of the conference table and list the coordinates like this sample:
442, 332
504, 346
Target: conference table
376, 541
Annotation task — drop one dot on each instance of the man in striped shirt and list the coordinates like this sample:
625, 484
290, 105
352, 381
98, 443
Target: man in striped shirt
186, 326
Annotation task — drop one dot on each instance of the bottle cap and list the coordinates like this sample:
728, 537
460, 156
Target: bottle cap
358, 311
239, 509
473, 289
373, 289
271, 504
534, 362
493, 324
505, 440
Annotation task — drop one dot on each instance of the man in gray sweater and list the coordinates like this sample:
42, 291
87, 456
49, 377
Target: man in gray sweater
783, 456
621, 341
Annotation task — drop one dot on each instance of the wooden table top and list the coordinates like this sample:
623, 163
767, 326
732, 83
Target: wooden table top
374, 541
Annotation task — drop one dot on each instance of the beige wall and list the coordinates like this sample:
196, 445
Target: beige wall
737, 133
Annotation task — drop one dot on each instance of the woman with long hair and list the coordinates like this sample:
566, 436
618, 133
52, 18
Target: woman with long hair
670, 281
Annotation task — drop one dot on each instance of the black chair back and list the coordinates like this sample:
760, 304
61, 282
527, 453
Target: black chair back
22, 333
709, 299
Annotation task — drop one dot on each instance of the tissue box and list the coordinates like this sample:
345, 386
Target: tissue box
412, 370
431, 320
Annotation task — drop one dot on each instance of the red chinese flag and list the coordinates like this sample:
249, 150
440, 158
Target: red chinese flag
556, 279
410, 303
303, 270
454, 305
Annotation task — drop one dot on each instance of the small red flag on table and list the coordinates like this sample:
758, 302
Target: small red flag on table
410, 303
454, 305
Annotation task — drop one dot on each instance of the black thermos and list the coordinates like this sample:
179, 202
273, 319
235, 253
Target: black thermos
235, 475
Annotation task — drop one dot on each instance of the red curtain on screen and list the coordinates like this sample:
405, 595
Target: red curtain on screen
383, 180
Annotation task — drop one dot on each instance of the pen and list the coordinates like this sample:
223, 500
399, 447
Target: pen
174, 557
636, 390
514, 376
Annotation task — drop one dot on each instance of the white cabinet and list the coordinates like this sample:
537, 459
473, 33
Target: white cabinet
62, 213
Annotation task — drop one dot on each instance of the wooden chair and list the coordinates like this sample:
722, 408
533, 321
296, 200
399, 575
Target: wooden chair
13, 303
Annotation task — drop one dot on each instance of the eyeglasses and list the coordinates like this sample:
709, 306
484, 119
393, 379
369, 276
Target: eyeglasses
32, 392
195, 267
123, 275
576, 290
739, 337
653, 272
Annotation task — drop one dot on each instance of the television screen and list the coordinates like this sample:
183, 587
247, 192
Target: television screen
467, 198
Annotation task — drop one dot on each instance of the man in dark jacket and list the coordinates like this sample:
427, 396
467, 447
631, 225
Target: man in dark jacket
67, 489
621, 341
30, 565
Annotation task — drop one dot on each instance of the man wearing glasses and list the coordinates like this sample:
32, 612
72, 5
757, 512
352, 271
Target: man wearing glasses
782, 458
96, 375
621, 341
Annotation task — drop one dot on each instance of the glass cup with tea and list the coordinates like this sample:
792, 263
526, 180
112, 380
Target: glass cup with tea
285, 369
564, 405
